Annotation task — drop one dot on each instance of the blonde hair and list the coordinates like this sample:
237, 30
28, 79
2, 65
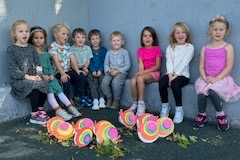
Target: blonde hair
116, 33
58, 27
221, 19
184, 27
14, 26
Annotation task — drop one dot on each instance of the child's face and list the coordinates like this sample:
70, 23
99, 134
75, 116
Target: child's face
180, 36
79, 39
116, 42
218, 31
38, 39
95, 40
22, 34
61, 36
147, 39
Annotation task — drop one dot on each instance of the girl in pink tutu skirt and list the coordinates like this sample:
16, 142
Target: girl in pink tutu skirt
215, 82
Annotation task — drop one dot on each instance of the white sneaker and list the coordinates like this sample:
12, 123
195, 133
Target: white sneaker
102, 103
133, 107
65, 115
95, 106
140, 109
178, 117
165, 110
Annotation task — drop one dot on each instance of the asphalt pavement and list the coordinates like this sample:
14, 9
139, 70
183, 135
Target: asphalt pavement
19, 140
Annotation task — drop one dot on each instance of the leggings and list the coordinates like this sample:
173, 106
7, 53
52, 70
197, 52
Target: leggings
216, 101
37, 99
176, 86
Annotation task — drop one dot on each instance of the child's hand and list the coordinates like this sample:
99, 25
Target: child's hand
38, 78
33, 78
115, 72
212, 79
51, 77
65, 77
110, 71
94, 74
45, 77
138, 73
99, 73
85, 70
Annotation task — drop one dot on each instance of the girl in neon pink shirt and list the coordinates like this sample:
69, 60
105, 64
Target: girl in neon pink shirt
149, 60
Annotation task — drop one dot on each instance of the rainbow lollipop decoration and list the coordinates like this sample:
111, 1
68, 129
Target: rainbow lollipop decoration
83, 136
63, 131
107, 132
84, 123
146, 117
99, 124
53, 123
127, 118
148, 131
166, 126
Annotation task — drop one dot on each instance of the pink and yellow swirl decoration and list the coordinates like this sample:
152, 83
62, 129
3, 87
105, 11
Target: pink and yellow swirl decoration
52, 123
83, 123
83, 136
146, 117
127, 118
166, 126
107, 132
99, 124
63, 131
148, 131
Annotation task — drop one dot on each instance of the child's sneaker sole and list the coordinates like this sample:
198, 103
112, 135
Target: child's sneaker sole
37, 122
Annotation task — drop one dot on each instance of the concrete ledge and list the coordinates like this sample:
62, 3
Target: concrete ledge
11, 108
153, 102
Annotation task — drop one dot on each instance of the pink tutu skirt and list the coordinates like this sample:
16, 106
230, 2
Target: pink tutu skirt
225, 88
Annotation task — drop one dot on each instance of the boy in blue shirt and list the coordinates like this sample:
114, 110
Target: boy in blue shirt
96, 69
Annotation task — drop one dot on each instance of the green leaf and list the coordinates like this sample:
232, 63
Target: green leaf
182, 145
193, 138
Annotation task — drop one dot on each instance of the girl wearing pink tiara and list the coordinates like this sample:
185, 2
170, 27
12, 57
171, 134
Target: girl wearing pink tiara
215, 82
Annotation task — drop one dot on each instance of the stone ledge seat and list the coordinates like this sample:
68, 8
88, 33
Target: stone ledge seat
189, 99
11, 108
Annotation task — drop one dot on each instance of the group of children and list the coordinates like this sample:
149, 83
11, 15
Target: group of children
98, 74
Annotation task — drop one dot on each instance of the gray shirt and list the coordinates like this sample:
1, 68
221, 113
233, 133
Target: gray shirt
117, 60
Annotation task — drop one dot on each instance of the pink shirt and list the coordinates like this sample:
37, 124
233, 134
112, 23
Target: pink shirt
215, 60
148, 56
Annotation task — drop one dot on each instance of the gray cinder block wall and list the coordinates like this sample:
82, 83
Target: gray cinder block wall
129, 17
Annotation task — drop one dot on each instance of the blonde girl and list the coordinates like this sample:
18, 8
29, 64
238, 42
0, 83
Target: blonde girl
215, 82
179, 53
22, 62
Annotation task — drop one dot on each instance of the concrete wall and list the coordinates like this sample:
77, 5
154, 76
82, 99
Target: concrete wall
127, 16
131, 16
45, 13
